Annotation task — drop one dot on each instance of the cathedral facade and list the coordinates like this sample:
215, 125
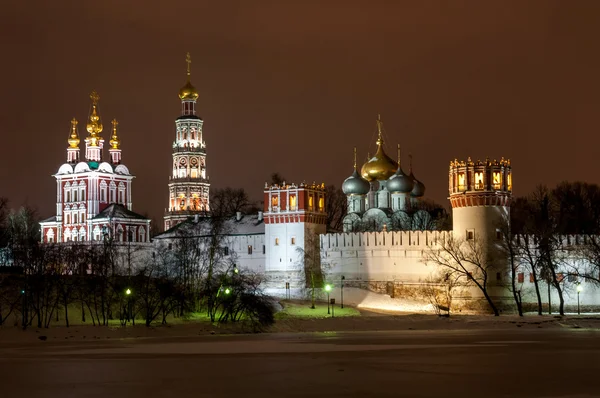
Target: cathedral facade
93, 194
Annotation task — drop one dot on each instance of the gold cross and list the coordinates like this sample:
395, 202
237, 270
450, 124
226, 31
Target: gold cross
94, 97
115, 124
188, 60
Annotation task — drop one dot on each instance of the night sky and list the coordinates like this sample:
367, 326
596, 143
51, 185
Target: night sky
292, 86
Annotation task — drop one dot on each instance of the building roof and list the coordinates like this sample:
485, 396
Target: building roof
247, 225
115, 210
49, 219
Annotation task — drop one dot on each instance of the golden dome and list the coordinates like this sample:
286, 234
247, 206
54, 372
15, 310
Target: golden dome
94, 125
188, 92
74, 138
114, 140
381, 166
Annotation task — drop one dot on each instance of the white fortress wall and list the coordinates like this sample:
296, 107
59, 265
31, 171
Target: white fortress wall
379, 256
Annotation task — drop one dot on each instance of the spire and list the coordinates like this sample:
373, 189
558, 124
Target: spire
188, 60
379, 132
114, 140
93, 142
399, 163
74, 138
73, 149
115, 150
354, 158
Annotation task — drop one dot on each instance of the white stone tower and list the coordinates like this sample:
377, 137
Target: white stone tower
188, 184
294, 216
480, 195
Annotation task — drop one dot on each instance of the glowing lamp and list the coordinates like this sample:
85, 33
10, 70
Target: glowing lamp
128, 292
328, 288
579, 288
227, 291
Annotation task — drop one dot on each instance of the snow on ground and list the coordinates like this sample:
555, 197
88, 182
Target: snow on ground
359, 298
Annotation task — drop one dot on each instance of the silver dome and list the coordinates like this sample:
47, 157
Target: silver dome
355, 185
400, 182
418, 189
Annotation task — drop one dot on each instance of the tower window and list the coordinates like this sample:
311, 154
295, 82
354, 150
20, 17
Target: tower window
249, 249
276, 241
310, 202
521, 277
264, 249
509, 181
461, 181
274, 201
293, 240
225, 251
321, 204
498, 234
497, 180
479, 180
293, 202
470, 234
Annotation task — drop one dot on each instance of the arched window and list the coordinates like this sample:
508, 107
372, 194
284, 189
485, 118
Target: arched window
103, 192
113, 192
461, 182
142, 234
75, 195
479, 180
292, 202
50, 235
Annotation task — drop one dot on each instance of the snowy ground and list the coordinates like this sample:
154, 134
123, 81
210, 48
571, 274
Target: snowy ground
363, 299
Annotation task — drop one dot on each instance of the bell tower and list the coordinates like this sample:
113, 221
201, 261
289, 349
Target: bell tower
188, 183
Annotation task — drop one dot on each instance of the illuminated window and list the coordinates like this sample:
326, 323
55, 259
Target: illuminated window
479, 180
509, 181
321, 204
194, 173
497, 179
249, 249
521, 277
292, 202
461, 181
531, 278
274, 201
310, 202
293, 240
276, 241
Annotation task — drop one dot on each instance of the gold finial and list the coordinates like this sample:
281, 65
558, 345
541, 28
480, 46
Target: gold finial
74, 139
188, 60
379, 133
398, 155
94, 97
354, 158
94, 126
114, 140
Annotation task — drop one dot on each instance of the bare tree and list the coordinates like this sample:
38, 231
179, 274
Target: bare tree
467, 262
227, 202
439, 289
312, 267
336, 207
508, 248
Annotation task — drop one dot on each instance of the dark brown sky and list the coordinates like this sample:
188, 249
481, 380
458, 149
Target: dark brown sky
292, 86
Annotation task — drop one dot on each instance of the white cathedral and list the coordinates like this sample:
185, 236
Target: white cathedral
383, 241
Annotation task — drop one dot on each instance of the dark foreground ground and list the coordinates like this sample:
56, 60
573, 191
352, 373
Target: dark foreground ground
494, 362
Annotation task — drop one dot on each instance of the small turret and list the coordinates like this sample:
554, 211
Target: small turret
93, 142
73, 150
115, 144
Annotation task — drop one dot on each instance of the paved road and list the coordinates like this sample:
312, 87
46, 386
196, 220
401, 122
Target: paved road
534, 363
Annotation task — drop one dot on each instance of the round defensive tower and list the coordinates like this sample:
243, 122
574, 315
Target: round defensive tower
480, 195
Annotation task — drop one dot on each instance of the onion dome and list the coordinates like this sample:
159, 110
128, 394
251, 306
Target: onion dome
400, 182
94, 126
188, 92
381, 166
74, 138
355, 184
114, 140
418, 190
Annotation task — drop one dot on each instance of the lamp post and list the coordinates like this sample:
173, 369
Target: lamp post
579, 289
328, 289
128, 294
342, 293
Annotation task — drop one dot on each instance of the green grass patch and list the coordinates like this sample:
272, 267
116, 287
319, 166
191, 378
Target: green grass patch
303, 310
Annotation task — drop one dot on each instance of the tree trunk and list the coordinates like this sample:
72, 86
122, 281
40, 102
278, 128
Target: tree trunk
516, 294
312, 283
490, 302
537, 290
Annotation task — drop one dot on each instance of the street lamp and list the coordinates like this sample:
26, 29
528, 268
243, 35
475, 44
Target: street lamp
579, 289
128, 292
328, 289
227, 291
129, 312
343, 279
